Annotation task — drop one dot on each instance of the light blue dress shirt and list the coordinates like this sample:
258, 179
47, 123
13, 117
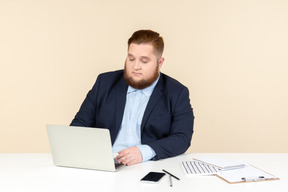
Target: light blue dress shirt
130, 131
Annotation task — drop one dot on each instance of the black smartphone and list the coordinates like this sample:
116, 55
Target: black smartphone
153, 177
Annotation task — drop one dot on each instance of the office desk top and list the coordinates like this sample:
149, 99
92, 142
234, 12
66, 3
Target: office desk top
36, 172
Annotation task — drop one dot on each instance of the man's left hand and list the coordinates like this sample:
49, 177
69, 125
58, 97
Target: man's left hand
130, 156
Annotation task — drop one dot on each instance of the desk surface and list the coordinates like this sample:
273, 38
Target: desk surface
36, 172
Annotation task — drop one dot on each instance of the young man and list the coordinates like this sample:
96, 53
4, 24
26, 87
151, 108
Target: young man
147, 112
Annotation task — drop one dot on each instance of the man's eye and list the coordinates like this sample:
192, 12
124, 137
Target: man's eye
144, 61
131, 59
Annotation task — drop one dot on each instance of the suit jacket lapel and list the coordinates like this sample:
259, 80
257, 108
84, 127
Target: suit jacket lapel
154, 98
120, 102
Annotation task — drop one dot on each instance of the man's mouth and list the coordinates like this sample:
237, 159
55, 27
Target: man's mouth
136, 73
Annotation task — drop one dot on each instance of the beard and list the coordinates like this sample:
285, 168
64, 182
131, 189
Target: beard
143, 83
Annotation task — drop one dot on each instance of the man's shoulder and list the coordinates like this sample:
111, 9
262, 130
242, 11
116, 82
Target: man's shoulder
110, 79
171, 84
111, 74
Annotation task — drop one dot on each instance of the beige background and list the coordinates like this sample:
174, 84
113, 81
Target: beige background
231, 54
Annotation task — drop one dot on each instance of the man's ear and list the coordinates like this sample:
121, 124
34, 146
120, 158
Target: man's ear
160, 62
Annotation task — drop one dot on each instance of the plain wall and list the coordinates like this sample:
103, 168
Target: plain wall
231, 54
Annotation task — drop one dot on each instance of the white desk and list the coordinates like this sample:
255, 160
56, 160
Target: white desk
36, 172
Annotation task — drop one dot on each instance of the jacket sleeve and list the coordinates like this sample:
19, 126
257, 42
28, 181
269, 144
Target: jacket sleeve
181, 129
87, 113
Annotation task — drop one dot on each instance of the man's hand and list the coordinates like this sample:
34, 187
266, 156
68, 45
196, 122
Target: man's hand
130, 156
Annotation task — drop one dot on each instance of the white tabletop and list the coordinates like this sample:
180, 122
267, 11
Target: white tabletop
36, 172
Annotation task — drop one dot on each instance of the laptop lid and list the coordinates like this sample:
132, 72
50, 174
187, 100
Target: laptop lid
81, 147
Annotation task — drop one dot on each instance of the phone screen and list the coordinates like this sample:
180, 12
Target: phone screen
153, 177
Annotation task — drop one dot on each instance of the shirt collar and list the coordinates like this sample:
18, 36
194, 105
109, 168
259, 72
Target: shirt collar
147, 91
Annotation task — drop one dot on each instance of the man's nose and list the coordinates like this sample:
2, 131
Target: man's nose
137, 65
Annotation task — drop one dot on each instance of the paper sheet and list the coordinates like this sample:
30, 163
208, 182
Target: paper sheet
221, 163
198, 168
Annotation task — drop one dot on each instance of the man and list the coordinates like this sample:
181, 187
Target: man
147, 112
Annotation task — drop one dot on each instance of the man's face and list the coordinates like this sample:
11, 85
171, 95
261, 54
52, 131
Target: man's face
142, 66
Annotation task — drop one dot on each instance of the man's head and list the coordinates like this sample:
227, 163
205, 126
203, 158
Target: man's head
144, 58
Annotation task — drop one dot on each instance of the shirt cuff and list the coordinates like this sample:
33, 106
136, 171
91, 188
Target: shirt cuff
147, 152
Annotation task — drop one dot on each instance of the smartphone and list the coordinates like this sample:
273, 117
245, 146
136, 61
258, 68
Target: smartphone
153, 177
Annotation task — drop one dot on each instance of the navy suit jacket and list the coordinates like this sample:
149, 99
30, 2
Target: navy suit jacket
167, 124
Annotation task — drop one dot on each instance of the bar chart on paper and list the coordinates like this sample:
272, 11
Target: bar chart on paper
199, 168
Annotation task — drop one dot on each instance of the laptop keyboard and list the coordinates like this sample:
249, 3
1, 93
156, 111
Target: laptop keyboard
117, 165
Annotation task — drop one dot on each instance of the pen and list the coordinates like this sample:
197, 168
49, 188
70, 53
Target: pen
170, 179
170, 174
260, 178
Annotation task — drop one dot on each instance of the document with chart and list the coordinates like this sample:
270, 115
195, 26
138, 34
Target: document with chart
229, 171
199, 168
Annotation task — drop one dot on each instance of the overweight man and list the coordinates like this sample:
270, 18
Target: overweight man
148, 113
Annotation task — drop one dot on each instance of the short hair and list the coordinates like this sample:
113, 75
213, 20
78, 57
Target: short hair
146, 37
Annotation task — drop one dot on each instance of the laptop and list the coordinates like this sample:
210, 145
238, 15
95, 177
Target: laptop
81, 147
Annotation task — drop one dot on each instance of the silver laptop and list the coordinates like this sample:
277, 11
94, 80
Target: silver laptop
81, 147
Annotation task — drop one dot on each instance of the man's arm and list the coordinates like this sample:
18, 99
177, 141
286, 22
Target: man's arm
181, 130
86, 115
